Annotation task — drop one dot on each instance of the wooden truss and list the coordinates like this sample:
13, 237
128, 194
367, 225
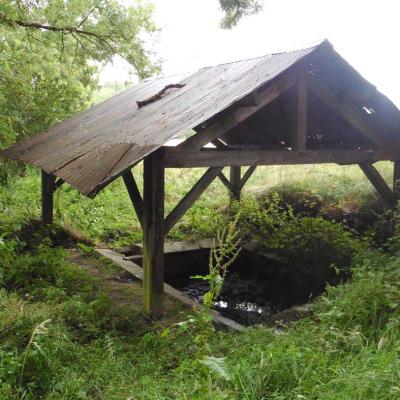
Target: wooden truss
191, 153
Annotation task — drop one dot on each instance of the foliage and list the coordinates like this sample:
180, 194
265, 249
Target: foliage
86, 30
316, 242
223, 253
50, 54
199, 326
96, 350
237, 9
313, 244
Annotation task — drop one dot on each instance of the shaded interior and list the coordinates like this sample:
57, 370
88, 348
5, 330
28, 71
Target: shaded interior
257, 287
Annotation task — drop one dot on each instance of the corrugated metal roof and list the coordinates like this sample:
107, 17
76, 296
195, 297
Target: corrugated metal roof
90, 149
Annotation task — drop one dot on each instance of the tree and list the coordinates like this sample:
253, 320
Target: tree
51, 52
236, 9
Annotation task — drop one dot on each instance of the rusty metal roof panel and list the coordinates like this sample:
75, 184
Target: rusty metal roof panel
92, 148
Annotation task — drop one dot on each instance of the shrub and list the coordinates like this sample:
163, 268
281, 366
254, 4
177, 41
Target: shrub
315, 242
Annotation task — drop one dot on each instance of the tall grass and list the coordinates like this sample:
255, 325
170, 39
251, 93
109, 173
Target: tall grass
110, 218
347, 349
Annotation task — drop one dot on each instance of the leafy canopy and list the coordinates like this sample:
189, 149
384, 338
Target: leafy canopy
236, 9
50, 55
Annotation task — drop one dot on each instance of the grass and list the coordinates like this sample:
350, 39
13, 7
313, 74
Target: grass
110, 218
98, 345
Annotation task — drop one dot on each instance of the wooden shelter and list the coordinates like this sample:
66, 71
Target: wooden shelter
299, 107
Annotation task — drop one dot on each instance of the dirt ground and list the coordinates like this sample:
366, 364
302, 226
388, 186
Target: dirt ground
124, 290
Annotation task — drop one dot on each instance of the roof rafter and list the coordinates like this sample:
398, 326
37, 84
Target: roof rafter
228, 121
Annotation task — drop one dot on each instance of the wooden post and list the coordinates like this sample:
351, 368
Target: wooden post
235, 175
299, 140
396, 179
48, 186
153, 234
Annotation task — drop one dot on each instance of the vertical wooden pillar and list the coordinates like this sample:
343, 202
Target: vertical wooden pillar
235, 176
396, 179
299, 140
48, 182
153, 234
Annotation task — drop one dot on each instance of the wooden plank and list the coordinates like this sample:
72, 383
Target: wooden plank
379, 183
344, 110
396, 178
225, 181
48, 184
153, 234
235, 175
247, 175
299, 140
191, 197
228, 121
221, 158
134, 194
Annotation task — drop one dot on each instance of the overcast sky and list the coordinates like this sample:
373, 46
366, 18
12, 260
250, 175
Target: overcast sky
365, 32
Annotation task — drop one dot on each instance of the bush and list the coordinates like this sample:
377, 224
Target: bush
314, 242
370, 302
310, 244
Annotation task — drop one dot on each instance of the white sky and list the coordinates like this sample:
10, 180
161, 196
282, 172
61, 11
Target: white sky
365, 32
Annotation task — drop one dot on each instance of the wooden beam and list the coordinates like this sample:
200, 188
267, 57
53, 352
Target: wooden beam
58, 183
396, 178
228, 121
247, 175
218, 144
235, 175
225, 181
48, 187
299, 140
153, 234
191, 197
134, 195
222, 158
379, 183
344, 110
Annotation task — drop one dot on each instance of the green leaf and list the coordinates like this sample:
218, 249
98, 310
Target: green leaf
217, 366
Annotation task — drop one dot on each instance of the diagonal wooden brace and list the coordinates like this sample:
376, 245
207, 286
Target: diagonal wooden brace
134, 195
379, 184
191, 197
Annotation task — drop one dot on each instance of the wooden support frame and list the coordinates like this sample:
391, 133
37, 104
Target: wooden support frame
225, 181
328, 97
247, 175
175, 158
134, 195
379, 183
191, 197
228, 121
153, 234
241, 181
235, 177
48, 188
299, 140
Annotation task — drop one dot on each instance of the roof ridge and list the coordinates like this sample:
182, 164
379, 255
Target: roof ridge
318, 44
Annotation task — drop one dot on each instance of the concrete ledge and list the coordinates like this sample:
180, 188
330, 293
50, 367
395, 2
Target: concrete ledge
220, 321
178, 247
